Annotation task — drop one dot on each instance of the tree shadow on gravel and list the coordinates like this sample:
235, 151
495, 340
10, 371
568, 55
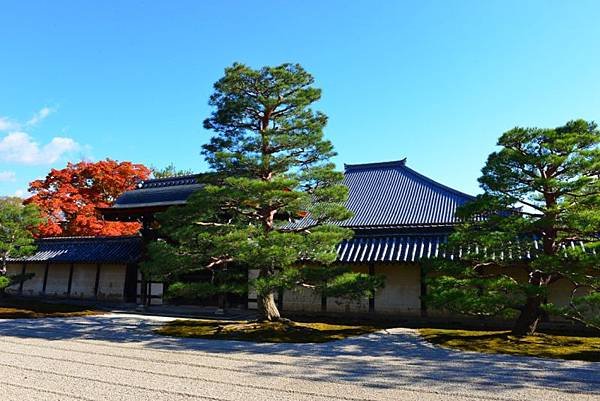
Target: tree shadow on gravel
393, 358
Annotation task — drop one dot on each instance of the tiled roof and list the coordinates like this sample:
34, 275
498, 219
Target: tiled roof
412, 247
389, 194
390, 248
86, 250
159, 192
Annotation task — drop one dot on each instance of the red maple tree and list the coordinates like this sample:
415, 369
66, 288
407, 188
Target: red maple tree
68, 198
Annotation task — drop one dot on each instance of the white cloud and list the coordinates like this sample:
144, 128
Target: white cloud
20, 147
7, 176
6, 124
20, 193
40, 116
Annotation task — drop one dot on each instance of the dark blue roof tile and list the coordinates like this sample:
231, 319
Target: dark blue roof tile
391, 248
159, 192
386, 194
389, 194
86, 250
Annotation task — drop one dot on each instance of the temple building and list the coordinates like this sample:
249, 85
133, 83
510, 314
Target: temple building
104, 268
400, 218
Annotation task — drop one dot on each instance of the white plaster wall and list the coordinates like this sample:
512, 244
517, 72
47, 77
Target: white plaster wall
156, 289
12, 269
58, 280
112, 282
84, 280
342, 305
402, 290
301, 299
335, 304
401, 294
559, 292
35, 285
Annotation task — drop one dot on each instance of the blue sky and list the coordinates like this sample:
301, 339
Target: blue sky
434, 81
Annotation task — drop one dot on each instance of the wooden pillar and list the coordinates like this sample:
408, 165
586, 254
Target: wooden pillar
22, 278
70, 284
97, 282
146, 282
45, 277
323, 303
149, 292
371, 298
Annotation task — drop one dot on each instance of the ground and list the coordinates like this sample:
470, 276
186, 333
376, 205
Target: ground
274, 332
118, 357
544, 345
12, 308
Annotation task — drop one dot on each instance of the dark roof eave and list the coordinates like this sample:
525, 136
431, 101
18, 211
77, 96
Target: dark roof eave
137, 211
85, 250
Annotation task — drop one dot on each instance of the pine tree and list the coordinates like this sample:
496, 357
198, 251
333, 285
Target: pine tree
541, 188
169, 170
273, 168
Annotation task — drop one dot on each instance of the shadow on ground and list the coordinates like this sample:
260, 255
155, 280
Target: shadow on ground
387, 359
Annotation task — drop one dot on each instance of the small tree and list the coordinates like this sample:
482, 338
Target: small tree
274, 166
539, 214
68, 198
169, 171
16, 239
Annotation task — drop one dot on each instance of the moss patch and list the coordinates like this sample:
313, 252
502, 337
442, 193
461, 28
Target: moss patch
26, 309
501, 342
272, 332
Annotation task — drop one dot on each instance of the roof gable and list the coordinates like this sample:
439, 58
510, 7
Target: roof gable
391, 194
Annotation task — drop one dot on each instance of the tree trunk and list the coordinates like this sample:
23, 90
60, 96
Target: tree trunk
4, 265
529, 318
267, 308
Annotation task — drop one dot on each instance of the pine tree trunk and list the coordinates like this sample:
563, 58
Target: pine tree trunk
267, 308
4, 265
529, 318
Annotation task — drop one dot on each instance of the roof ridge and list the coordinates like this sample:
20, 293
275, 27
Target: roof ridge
402, 164
169, 181
392, 163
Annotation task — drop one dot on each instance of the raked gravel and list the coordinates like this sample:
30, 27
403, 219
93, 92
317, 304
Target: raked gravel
117, 357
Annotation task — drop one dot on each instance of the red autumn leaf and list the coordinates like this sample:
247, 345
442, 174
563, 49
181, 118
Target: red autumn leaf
68, 198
